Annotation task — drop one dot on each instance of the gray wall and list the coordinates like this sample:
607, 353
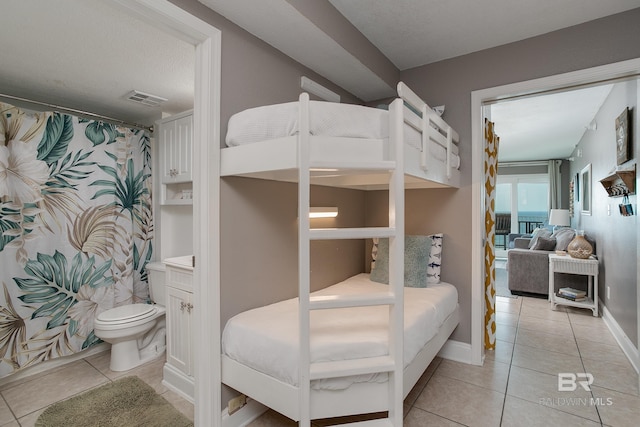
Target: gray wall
616, 239
451, 82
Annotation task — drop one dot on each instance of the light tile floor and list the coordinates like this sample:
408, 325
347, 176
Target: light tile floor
517, 386
22, 402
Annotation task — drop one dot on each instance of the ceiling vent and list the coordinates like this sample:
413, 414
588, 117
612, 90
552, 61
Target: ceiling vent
145, 98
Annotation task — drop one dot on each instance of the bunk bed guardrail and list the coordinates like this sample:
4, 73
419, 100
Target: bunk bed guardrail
430, 125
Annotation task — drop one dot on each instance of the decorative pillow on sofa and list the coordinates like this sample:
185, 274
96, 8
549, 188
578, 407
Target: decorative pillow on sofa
545, 244
563, 237
416, 256
537, 233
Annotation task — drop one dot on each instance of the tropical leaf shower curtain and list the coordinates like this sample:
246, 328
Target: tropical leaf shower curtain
75, 230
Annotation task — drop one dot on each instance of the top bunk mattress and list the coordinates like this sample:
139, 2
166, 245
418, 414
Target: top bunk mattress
326, 118
266, 338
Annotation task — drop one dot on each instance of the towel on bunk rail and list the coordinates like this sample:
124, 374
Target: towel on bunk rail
266, 338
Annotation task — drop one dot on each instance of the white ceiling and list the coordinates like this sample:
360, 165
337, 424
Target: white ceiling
545, 126
88, 54
417, 32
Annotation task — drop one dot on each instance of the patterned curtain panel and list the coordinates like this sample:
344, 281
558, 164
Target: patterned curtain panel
75, 230
491, 142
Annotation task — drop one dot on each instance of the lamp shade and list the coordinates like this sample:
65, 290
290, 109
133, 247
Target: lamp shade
559, 217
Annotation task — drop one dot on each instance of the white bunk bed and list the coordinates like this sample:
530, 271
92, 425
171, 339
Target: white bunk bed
352, 147
262, 143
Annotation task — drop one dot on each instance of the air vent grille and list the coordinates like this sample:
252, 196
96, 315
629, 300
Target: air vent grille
145, 98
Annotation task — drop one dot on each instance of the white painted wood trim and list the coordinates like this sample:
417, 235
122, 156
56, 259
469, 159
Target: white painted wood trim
206, 230
457, 351
629, 349
178, 382
206, 123
618, 70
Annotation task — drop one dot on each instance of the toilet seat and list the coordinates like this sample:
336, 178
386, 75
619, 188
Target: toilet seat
127, 314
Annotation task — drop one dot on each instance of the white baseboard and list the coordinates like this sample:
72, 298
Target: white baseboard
52, 364
456, 351
243, 416
624, 342
178, 382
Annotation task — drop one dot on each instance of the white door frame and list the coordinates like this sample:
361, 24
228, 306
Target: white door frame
206, 189
483, 97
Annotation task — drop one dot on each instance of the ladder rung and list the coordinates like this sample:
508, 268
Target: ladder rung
344, 368
358, 300
385, 165
350, 233
380, 422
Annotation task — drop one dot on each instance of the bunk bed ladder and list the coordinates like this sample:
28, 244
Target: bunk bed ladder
392, 363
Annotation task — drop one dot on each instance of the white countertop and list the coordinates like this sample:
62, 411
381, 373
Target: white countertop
185, 261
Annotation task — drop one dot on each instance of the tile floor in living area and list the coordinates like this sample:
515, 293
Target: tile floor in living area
22, 402
517, 386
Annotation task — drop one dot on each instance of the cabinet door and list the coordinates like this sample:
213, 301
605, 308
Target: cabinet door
183, 157
179, 353
167, 147
176, 150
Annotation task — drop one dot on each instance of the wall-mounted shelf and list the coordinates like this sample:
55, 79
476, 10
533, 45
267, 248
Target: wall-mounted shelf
620, 182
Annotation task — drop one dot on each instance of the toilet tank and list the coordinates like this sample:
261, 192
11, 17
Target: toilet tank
155, 272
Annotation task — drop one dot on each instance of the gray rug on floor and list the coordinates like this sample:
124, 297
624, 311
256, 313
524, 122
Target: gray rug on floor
127, 402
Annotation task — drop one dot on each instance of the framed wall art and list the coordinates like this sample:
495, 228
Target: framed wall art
585, 190
622, 137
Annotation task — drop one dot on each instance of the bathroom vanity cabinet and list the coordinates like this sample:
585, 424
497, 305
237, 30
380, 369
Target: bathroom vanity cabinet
178, 370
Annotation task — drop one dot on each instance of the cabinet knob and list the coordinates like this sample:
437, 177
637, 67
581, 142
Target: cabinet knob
186, 305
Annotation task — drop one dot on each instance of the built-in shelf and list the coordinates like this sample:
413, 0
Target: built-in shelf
620, 182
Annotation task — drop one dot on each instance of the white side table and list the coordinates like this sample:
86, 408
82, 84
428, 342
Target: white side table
585, 267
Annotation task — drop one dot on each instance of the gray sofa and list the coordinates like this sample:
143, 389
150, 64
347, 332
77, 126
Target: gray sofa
528, 269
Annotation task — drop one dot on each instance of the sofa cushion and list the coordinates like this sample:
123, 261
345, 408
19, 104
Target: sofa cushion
537, 233
545, 244
563, 237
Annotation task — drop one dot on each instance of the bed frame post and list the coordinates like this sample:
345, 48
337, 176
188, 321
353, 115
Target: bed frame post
396, 262
304, 263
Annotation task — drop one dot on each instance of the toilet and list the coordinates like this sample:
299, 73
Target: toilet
136, 332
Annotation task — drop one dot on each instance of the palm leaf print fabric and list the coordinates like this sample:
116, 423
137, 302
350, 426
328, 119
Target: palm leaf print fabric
75, 230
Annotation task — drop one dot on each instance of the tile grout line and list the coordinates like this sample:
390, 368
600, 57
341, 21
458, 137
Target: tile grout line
584, 367
513, 349
13, 414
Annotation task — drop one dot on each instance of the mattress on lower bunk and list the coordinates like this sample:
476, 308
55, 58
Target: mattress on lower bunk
266, 338
326, 119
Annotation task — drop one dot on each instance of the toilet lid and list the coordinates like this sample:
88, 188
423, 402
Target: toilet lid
127, 313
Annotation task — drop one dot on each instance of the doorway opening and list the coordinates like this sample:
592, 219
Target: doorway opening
480, 100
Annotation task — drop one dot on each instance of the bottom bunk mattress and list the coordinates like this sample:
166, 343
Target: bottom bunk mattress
266, 338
